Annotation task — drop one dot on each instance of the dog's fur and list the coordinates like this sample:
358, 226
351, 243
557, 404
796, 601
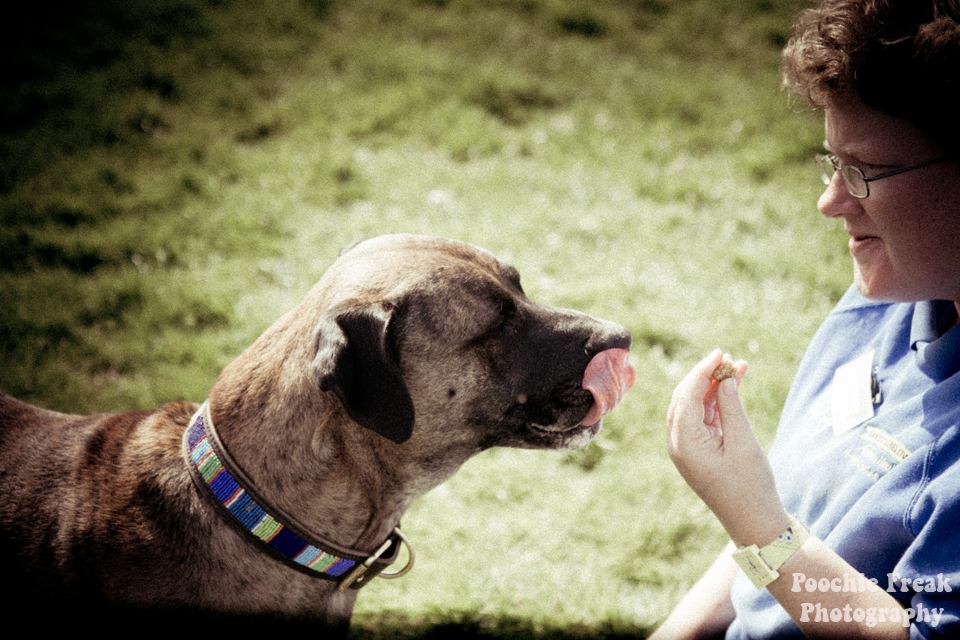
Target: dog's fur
429, 345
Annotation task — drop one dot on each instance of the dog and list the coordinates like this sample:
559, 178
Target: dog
410, 355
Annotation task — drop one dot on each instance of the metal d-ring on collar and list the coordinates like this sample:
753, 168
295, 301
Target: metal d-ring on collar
361, 570
230, 490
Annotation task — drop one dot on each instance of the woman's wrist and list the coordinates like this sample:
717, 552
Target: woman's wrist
760, 564
760, 532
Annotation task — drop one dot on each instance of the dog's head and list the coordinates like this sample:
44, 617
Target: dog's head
434, 339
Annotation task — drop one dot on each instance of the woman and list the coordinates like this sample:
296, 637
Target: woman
867, 454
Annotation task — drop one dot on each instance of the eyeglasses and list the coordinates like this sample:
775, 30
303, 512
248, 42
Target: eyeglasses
857, 183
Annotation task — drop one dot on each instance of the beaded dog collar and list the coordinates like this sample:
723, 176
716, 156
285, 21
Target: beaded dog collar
230, 490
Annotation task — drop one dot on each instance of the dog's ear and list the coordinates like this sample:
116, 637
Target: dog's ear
355, 361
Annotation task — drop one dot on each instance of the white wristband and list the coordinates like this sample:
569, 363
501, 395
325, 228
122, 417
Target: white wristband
761, 565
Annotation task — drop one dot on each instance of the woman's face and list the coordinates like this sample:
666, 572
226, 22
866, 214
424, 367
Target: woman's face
905, 236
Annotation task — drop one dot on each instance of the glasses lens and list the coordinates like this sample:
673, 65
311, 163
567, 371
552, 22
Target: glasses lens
856, 184
826, 168
853, 178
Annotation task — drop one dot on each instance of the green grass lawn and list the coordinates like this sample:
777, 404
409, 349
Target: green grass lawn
174, 176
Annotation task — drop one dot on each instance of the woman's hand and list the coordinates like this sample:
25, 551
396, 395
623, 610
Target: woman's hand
714, 448
716, 452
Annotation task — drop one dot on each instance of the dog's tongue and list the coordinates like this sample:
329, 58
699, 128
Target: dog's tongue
608, 377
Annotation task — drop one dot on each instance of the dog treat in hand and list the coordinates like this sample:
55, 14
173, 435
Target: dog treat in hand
726, 369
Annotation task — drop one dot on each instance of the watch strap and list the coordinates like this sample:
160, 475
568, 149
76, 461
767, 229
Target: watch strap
760, 565
786, 544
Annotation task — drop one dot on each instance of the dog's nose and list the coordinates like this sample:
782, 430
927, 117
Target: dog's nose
609, 336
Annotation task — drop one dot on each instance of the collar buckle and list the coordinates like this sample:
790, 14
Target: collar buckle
359, 572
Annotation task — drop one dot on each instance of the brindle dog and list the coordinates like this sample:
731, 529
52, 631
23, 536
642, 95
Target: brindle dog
409, 356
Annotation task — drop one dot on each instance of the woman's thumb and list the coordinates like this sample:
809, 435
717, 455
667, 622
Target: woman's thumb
733, 417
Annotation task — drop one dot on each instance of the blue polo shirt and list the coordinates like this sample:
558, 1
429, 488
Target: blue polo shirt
867, 455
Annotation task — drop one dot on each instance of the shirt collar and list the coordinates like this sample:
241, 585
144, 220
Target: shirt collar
938, 352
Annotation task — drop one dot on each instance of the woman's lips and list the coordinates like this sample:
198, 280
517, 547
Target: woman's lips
860, 243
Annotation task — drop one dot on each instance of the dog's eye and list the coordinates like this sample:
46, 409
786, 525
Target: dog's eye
509, 321
504, 325
508, 328
504, 329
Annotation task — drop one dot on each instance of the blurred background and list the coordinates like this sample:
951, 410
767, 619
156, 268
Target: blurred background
176, 174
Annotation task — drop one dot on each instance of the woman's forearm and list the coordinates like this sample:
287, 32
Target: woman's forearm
705, 611
865, 612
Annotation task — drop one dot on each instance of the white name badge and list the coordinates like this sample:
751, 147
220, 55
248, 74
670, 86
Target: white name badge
852, 393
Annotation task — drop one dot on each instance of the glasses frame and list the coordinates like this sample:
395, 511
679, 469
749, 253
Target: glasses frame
848, 181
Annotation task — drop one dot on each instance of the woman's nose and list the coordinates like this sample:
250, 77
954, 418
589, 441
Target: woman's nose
836, 200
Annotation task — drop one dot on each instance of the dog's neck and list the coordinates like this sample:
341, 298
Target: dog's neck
277, 452
344, 482
221, 479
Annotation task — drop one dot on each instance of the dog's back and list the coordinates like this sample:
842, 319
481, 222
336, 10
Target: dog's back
91, 514
53, 467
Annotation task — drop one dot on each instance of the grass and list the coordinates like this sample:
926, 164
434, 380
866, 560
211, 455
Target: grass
174, 176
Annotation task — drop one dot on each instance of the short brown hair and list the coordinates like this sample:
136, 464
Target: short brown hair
901, 57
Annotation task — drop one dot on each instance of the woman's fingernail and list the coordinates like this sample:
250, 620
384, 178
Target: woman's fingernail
729, 386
